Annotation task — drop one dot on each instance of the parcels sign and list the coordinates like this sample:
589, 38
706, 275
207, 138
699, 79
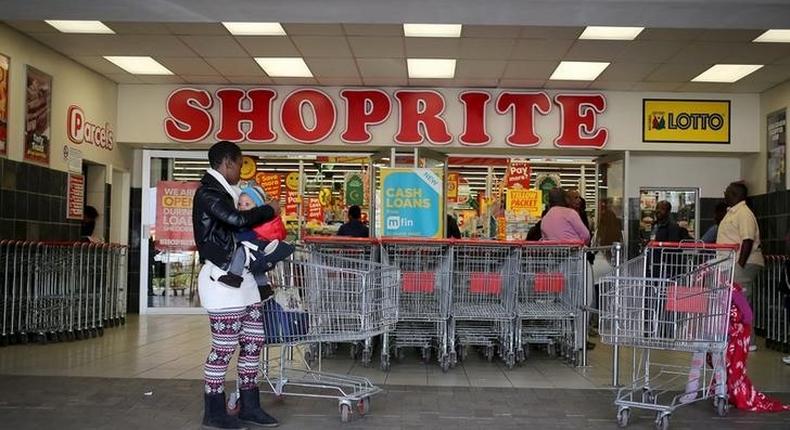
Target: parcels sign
174, 215
528, 201
686, 121
412, 202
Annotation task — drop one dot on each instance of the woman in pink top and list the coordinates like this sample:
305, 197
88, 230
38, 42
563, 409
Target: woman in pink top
562, 223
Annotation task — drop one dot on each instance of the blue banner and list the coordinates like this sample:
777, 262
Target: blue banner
411, 202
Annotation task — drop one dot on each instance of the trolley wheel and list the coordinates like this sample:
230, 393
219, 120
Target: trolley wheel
60, 336
385, 363
426, 354
722, 406
354, 351
462, 352
100, 331
363, 406
366, 358
345, 412
41, 339
623, 415
400, 353
453, 359
489, 353
444, 362
551, 349
4, 340
233, 404
510, 360
23, 339
648, 396
70, 336
662, 421
123, 320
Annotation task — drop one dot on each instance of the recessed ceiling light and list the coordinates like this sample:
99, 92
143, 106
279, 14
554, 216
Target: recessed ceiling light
578, 70
727, 73
431, 68
284, 67
255, 28
432, 30
88, 27
139, 65
611, 33
774, 36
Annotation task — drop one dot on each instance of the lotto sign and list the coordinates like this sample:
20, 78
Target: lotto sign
174, 215
686, 121
528, 201
412, 203
270, 183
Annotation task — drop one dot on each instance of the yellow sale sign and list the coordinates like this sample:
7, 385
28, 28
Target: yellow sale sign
686, 121
528, 201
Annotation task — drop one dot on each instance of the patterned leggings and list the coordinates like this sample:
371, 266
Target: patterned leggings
229, 327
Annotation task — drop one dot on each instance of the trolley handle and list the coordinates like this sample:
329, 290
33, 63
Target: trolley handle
569, 243
484, 242
340, 240
415, 241
694, 245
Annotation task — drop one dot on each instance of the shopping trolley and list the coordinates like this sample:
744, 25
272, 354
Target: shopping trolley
769, 298
321, 298
424, 298
550, 298
673, 297
483, 295
356, 249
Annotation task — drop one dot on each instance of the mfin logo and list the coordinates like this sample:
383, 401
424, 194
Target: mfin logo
686, 121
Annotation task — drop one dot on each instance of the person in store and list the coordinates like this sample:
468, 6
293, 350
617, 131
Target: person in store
453, 232
235, 315
534, 232
562, 223
739, 227
577, 203
354, 227
88, 226
665, 229
718, 214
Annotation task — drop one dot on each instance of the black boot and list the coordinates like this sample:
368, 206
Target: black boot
251, 411
215, 416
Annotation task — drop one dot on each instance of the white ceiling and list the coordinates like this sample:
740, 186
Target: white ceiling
375, 55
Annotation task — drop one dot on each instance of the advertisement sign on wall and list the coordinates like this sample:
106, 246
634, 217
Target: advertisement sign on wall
174, 215
354, 189
38, 102
452, 187
4, 63
777, 148
270, 183
518, 174
525, 201
75, 197
686, 121
412, 202
315, 212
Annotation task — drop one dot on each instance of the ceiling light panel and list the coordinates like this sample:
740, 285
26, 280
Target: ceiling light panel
431, 68
139, 65
84, 27
284, 67
255, 28
774, 36
578, 70
432, 30
727, 73
611, 33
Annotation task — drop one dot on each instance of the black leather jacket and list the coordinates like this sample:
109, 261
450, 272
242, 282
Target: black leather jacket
215, 220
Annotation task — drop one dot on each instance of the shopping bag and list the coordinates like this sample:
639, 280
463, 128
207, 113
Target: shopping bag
686, 299
549, 282
284, 318
271, 230
485, 283
418, 282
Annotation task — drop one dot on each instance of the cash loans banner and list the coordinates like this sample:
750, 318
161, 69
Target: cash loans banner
412, 202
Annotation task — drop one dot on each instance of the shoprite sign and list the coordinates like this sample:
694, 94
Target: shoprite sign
358, 116
686, 121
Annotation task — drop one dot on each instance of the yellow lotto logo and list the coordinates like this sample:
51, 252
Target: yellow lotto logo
686, 121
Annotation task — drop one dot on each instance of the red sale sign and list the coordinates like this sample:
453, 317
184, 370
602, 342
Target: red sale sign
518, 174
315, 212
174, 215
271, 184
291, 202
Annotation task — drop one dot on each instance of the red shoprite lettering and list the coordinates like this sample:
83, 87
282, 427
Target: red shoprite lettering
310, 116
79, 130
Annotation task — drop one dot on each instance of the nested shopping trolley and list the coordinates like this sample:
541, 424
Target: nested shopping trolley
320, 298
770, 301
674, 297
425, 266
364, 249
550, 298
483, 298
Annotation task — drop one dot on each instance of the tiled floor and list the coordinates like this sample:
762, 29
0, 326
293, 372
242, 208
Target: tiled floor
146, 375
174, 347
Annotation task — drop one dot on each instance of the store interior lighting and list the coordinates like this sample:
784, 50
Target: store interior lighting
578, 70
432, 30
610, 33
81, 27
284, 67
139, 65
431, 68
727, 73
255, 28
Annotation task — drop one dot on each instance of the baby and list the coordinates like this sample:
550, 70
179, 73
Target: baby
254, 252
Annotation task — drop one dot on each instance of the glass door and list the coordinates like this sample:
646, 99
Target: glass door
684, 202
